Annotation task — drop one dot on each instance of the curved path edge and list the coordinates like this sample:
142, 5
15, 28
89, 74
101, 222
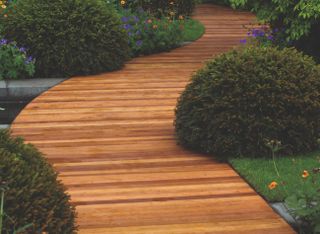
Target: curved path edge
111, 138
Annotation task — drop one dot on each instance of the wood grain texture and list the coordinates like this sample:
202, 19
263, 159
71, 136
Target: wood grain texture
111, 137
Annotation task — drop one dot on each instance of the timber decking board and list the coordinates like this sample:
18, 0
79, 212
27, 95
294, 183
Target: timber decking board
111, 137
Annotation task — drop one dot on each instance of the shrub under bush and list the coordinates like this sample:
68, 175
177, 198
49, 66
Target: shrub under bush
34, 196
244, 97
68, 37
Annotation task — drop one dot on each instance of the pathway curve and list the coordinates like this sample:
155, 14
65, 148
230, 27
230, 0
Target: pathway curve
111, 137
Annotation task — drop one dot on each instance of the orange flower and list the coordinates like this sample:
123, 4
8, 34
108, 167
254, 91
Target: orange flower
122, 2
180, 17
155, 26
273, 185
305, 174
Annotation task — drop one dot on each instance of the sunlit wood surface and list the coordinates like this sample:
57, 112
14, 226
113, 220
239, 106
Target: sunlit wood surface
111, 137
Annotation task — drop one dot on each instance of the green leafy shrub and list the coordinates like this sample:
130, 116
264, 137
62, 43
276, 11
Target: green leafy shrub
15, 63
174, 8
34, 196
68, 37
296, 21
246, 96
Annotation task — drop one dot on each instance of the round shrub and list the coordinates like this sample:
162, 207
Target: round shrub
68, 37
246, 97
34, 195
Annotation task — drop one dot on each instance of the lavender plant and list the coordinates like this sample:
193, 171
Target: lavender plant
15, 62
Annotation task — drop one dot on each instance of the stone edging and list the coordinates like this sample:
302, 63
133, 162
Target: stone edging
26, 89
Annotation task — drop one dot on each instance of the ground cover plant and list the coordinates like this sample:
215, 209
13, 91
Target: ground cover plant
192, 30
33, 194
294, 180
260, 172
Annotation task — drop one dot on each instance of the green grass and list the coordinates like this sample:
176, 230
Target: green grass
193, 30
260, 173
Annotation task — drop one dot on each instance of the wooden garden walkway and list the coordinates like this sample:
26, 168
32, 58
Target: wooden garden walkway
111, 137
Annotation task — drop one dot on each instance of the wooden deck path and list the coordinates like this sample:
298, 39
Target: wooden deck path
111, 137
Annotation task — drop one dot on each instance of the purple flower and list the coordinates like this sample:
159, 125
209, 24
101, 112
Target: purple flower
22, 49
3, 42
124, 19
29, 60
243, 41
139, 43
270, 37
127, 26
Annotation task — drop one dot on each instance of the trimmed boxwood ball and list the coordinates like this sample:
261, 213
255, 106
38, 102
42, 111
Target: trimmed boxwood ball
245, 97
68, 37
34, 194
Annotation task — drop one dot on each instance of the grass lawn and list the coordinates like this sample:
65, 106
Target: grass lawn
260, 173
193, 30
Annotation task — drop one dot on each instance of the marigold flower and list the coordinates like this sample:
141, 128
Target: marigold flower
155, 26
273, 185
305, 174
122, 2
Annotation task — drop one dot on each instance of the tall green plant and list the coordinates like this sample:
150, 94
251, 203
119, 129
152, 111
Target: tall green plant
294, 17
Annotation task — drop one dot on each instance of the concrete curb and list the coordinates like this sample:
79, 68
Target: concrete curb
26, 89
281, 209
4, 126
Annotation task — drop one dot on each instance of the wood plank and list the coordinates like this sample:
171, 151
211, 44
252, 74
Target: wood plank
111, 138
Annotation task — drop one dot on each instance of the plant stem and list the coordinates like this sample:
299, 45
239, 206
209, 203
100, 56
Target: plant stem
274, 164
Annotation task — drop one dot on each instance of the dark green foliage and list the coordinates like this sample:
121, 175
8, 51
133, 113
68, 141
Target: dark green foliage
219, 2
34, 196
68, 37
164, 7
246, 96
309, 43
